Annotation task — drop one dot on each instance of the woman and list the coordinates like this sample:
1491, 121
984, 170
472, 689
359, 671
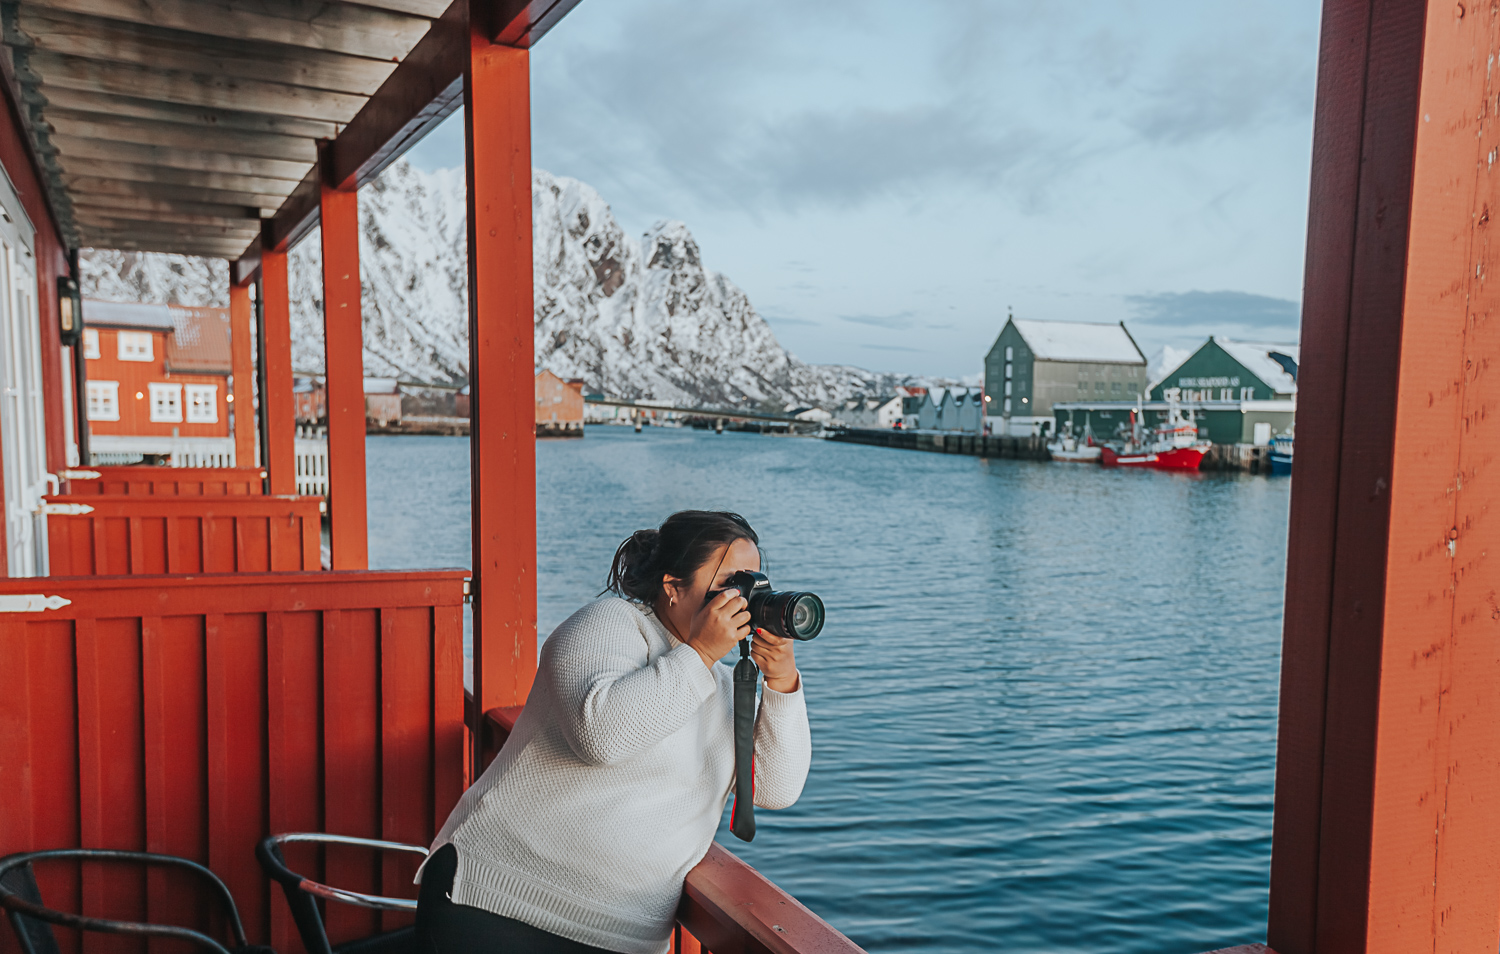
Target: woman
578, 836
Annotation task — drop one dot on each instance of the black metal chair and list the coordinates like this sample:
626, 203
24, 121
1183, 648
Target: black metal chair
33, 921
301, 893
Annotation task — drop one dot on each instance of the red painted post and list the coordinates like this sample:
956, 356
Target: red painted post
497, 136
343, 342
242, 365
1388, 788
276, 400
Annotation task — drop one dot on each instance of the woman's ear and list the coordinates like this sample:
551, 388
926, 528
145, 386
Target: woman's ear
673, 588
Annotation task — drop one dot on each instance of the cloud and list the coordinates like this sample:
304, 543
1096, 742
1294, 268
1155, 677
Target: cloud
900, 320
785, 320
879, 347
1232, 314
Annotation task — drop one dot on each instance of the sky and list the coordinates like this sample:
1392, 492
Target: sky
888, 181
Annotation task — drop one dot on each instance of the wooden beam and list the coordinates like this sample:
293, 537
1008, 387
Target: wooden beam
339, 27
1387, 786
297, 216
195, 117
133, 172
191, 89
246, 268
86, 188
65, 122
241, 232
497, 137
168, 157
134, 44
343, 347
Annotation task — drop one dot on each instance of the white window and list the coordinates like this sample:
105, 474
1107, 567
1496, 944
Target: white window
1008, 369
1010, 354
1007, 405
91, 342
166, 402
1007, 387
202, 403
136, 346
1226, 394
104, 400
1247, 394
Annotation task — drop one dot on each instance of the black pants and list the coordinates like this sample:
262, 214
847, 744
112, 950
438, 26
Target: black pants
447, 928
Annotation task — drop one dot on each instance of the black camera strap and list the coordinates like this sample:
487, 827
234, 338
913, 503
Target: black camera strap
742, 815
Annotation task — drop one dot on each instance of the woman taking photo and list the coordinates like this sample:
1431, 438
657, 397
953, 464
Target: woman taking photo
578, 836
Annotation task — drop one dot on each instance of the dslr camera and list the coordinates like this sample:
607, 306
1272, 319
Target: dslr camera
790, 615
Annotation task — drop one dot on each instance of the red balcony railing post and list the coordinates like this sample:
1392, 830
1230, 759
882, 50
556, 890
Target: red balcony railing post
242, 393
497, 134
278, 415
343, 345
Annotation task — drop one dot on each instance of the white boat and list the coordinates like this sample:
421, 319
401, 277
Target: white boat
1068, 448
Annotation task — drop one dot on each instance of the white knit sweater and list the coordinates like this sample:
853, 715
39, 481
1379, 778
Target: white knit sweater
612, 784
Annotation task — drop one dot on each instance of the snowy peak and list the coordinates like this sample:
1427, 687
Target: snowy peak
640, 318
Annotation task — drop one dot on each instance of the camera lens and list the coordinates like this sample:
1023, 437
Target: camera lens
807, 616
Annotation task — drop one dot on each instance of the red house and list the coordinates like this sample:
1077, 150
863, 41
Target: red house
158, 383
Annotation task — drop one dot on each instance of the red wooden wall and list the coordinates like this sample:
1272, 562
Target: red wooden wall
182, 481
193, 716
130, 534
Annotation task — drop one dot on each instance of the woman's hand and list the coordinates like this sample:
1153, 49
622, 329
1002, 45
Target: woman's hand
776, 660
722, 622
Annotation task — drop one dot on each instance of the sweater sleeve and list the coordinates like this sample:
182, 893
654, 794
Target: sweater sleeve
613, 702
783, 747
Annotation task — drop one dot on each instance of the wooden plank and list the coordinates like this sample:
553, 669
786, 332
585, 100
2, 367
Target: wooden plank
177, 135
497, 133
135, 44
146, 230
193, 89
338, 27
159, 208
276, 393
176, 812
174, 157
448, 734
135, 172
235, 666
351, 716
208, 119
406, 746
730, 906
295, 217
119, 219
111, 783
89, 186
343, 349
294, 694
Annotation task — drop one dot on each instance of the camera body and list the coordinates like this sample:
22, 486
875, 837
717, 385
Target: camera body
790, 615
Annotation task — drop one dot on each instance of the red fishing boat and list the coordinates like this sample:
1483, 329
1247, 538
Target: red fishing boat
1172, 444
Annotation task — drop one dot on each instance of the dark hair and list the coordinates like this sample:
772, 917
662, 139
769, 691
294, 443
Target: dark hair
681, 545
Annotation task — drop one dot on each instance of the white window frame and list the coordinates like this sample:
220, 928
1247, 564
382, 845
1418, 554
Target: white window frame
129, 344
171, 412
201, 403
104, 400
90, 344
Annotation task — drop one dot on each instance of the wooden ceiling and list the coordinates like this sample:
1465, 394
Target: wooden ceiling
185, 125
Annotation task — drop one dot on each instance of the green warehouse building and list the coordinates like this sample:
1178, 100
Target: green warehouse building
1035, 364
1239, 392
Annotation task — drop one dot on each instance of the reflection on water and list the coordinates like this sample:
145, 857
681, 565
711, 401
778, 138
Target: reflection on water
1044, 704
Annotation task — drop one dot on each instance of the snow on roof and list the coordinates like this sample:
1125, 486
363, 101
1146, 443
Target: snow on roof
1079, 341
121, 314
1256, 357
199, 340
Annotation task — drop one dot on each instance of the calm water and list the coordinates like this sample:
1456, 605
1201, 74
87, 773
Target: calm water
1044, 706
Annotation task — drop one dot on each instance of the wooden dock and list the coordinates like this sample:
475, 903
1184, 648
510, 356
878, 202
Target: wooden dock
953, 442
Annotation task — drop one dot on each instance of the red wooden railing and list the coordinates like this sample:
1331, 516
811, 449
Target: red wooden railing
193, 715
117, 535
179, 481
727, 906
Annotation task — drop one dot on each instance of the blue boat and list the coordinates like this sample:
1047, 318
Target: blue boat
1281, 455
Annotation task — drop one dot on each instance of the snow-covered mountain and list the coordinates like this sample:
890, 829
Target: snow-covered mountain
640, 318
